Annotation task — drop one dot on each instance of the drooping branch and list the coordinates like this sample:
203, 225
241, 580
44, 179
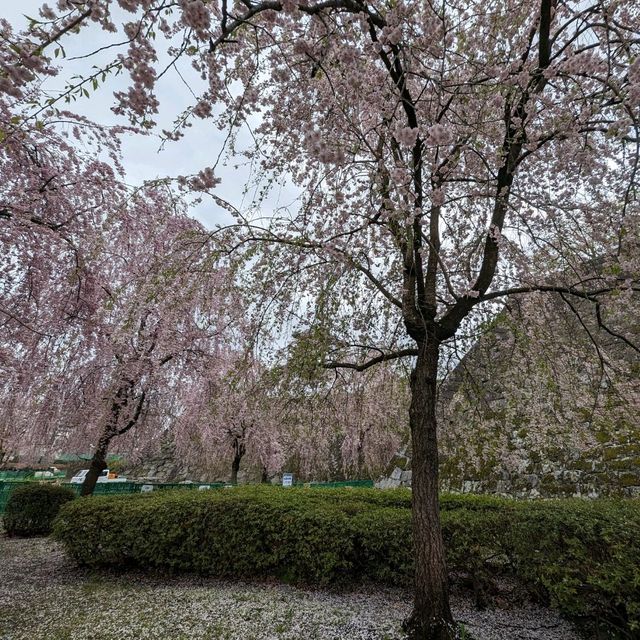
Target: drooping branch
376, 282
54, 37
613, 333
6, 214
590, 295
229, 27
585, 328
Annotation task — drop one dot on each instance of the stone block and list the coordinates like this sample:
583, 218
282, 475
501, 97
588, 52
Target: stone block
405, 477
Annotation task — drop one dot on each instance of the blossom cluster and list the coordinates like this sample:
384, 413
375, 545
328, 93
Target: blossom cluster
195, 14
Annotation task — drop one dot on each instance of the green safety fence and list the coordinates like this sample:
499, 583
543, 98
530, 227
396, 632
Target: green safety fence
107, 488
113, 488
16, 475
30, 474
6, 487
363, 484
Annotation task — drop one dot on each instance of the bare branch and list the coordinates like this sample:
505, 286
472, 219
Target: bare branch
394, 355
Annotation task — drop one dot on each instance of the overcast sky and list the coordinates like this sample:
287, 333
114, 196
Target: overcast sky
142, 158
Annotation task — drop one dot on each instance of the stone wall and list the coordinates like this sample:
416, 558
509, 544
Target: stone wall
539, 409
166, 465
163, 466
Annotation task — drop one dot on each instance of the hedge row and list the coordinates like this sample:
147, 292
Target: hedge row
32, 507
580, 556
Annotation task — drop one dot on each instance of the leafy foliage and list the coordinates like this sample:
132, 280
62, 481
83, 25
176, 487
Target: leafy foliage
32, 507
583, 557
579, 556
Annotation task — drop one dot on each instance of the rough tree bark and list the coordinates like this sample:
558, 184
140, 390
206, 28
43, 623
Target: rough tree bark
235, 467
431, 617
111, 430
239, 450
98, 464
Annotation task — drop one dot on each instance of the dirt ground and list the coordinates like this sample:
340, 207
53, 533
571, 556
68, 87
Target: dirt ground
44, 596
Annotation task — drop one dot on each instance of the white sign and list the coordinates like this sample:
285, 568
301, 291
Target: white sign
287, 479
146, 488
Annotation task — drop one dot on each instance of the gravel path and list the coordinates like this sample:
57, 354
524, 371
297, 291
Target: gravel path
43, 595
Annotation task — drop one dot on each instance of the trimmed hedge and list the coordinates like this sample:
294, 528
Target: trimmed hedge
32, 507
582, 557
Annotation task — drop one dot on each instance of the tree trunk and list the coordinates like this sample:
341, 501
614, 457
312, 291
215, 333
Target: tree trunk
98, 464
235, 467
265, 476
239, 449
360, 457
431, 617
111, 430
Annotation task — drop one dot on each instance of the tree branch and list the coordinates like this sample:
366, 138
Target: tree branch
539, 288
394, 355
136, 416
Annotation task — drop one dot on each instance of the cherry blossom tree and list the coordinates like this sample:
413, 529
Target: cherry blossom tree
237, 411
59, 181
448, 155
168, 311
341, 424
231, 414
106, 292
371, 412
60, 174
162, 306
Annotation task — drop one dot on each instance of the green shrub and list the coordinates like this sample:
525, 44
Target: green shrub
239, 532
382, 541
583, 557
32, 507
580, 556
